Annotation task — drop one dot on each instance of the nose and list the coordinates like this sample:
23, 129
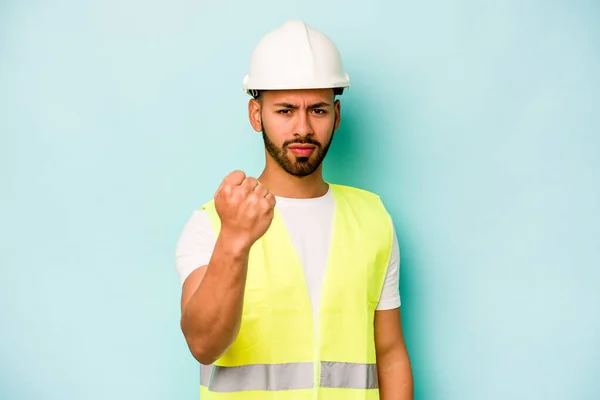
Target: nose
303, 126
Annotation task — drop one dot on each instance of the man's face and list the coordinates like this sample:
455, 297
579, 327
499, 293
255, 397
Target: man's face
297, 126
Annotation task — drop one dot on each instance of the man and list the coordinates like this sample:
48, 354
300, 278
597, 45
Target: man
290, 284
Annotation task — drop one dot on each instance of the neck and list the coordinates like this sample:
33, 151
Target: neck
282, 184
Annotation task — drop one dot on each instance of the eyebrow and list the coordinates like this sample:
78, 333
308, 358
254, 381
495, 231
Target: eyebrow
295, 107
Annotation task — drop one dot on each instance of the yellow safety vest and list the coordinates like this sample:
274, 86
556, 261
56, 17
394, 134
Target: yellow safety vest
277, 355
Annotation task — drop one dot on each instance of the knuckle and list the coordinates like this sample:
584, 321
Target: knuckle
254, 197
261, 190
236, 177
227, 189
266, 204
239, 193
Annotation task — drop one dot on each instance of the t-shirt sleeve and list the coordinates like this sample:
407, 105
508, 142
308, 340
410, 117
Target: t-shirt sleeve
390, 294
195, 245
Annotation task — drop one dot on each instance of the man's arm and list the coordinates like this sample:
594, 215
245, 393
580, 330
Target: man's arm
393, 363
213, 295
212, 300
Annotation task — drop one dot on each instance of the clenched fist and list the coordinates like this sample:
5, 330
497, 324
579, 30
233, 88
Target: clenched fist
246, 208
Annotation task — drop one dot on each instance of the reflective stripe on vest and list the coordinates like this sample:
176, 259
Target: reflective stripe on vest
288, 376
257, 377
348, 375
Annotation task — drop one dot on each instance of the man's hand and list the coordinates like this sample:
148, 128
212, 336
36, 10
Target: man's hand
246, 208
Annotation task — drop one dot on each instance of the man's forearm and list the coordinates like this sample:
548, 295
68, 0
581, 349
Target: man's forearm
211, 319
395, 376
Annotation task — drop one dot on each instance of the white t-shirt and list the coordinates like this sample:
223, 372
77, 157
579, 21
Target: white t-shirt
309, 224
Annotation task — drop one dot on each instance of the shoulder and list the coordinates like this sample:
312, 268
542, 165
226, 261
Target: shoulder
354, 190
197, 223
195, 244
357, 195
365, 205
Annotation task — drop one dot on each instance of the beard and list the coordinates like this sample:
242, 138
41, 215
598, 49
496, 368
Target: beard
297, 165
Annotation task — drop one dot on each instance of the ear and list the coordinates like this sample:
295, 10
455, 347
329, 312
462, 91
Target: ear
338, 115
254, 115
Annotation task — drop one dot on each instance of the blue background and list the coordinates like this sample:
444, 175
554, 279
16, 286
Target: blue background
476, 121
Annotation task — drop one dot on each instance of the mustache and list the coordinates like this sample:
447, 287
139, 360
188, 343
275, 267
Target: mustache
301, 141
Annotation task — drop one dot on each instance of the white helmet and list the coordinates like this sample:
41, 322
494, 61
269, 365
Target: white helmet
295, 56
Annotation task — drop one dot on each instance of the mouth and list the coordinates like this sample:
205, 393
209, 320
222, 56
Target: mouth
302, 150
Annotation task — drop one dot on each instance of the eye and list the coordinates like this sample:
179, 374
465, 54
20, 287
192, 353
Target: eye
284, 112
319, 111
